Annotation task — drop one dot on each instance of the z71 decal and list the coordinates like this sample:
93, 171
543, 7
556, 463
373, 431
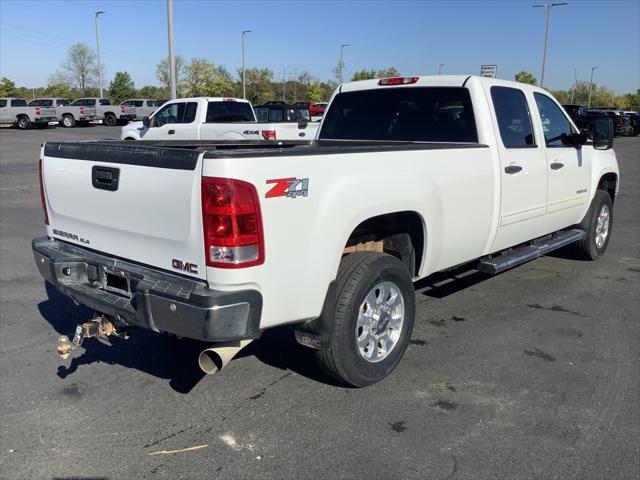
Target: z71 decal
288, 187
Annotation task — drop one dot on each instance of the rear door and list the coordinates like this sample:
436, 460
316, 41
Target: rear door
523, 168
175, 121
134, 202
569, 169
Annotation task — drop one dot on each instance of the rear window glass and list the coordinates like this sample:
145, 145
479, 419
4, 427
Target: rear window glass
262, 114
84, 102
46, 103
18, 102
512, 113
421, 114
3, 103
62, 102
297, 114
276, 115
229, 112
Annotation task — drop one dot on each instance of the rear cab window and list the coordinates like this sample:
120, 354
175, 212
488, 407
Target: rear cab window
514, 119
221, 112
421, 114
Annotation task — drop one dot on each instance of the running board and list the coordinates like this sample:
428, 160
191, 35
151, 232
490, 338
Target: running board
537, 248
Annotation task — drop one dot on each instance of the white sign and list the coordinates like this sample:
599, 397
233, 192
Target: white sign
488, 71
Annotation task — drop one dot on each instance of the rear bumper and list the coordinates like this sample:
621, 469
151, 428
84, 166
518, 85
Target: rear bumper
45, 119
145, 297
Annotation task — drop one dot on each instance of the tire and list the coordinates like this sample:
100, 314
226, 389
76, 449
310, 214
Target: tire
68, 121
110, 120
23, 122
366, 279
597, 223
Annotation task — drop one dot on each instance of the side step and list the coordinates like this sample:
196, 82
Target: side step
537, 248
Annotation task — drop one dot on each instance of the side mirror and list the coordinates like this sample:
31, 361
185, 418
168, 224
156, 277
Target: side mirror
302, 123
603, 133
146, 122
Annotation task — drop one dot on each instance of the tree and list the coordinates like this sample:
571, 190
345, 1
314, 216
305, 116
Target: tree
151, 91
388, 72
203, 78
79, 69
7, 87
364, 75
121, 87
315, 92
59, 90
163, 75
526, 77
260, 86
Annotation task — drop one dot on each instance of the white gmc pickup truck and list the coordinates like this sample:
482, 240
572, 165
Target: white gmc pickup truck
212, 119
409, 176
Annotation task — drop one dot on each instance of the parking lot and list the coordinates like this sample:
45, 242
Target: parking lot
534, 373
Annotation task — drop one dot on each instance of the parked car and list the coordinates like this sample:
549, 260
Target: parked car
409, 176
634, 120
143, 107
214, 118
68, 115
282, 113
621, 121
316, 109
111, 115
15, 111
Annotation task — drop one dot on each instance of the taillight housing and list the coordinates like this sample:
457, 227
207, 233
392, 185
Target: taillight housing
42, 200
232, 223
81, 110
122, 108
269, 134
397, 81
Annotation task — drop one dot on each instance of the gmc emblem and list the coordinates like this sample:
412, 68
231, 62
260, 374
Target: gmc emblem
184, 266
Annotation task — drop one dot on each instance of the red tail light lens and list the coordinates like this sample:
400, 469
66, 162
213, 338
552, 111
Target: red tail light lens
122, 108
81, 110
42, 200
232, 223
269, 134
397, 80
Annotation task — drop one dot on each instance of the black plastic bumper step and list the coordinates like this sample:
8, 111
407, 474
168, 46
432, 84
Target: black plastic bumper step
523, 254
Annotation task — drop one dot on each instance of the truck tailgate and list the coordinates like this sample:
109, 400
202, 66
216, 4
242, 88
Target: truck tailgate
133, 202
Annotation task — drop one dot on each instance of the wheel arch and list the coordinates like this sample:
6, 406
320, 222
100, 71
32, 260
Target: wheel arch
609, 183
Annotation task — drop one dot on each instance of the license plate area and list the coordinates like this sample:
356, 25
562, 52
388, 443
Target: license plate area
115, 282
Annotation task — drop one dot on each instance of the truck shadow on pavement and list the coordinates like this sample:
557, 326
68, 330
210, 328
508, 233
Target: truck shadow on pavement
448, 282
164, 356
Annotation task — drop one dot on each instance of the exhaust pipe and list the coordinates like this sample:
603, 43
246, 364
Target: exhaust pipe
214, 359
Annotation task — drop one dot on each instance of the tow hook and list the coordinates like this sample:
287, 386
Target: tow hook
98, 326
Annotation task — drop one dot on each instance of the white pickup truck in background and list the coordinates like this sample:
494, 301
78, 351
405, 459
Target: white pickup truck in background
15, 111
143, 107
213, 119
111, 115
68, 115
409, 176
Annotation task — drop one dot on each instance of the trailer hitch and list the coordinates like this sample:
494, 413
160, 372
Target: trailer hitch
98, 326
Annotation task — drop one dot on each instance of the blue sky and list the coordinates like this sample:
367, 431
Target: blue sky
414, 36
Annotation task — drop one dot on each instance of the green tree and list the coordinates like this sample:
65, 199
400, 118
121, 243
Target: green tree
364, 75
526, 77
162, 74
388, 72
151, 91
315, 92
121, 87
59, 90
203, 78
7, 87
259, 83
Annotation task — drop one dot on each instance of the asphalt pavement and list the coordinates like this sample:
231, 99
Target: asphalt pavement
531, 374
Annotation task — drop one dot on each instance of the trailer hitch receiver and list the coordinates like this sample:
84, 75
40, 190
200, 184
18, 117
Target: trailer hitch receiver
98, 326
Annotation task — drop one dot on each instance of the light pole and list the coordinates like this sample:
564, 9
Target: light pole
172, 57
98, 51
440, 69
244, 85
341, 58
590, 87
548, 6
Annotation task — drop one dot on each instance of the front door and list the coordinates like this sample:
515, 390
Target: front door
523, 169
174, 122
569, 169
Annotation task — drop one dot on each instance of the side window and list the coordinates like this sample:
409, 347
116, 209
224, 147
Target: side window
46, 103
513, 117
35, 103
105, 101
62, 102
3, 103
18, 102
557, 129
168, 114
190, 112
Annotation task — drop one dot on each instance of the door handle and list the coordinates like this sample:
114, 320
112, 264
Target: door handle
511, 169
171, 132
556, 165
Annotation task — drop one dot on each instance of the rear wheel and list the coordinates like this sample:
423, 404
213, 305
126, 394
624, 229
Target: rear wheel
23, 122
597, 223
110, 120
68, 121
373, 319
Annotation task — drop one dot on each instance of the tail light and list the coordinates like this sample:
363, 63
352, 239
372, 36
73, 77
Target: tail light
619, 120
81, 110
232, 223
42, 201
397, 81
269, 134
37, 111
122, 108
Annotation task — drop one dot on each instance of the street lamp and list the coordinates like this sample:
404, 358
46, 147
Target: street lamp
98, 51
548, 6
172, 57
590, 87
244, 86
440, 69
341, 57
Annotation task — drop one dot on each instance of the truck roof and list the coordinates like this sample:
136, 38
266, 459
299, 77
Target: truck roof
213, 99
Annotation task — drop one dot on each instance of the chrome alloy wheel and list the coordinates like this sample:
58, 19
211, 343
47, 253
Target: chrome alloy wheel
380, 320
602, 226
